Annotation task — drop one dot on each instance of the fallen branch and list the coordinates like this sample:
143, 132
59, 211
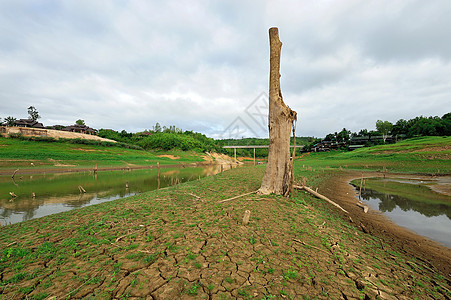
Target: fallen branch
195, 196
14, 174
364, 207
246, 217
236, 197
145, 251
318, 195
120, 238
303, 243
364, 228
125, 235
441, 286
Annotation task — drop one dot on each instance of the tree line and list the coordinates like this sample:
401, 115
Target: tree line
168, 138
164, 138
418, 126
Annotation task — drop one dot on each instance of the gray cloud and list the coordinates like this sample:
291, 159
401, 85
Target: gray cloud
198, 65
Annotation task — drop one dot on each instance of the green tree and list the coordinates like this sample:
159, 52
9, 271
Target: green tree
9, 121
384, 127
343, 136
80, 122
446, 119
401, 127
157, 128
33, 113
330, 137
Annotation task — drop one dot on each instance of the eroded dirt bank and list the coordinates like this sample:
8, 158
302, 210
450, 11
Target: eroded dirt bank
437, 256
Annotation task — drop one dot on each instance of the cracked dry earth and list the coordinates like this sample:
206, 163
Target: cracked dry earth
180, 243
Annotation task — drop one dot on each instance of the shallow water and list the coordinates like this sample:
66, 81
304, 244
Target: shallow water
432, 220
59, 192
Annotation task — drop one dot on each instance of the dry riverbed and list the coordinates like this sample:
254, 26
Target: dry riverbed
180, 242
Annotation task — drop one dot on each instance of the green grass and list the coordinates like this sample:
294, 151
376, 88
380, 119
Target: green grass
169, 236
16, 153
426, 155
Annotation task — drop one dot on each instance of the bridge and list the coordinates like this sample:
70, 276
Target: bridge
253, 147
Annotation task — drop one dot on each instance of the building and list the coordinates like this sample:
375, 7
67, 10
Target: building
80, 129
28, 123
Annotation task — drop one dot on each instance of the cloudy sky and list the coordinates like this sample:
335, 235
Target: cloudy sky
204, 65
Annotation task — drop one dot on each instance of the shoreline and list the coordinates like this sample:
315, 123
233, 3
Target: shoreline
30, 171
435, 254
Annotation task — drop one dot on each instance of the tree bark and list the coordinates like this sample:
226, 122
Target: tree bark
278, 174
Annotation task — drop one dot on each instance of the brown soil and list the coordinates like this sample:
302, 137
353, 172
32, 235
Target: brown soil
434, 149
440, 150
412, 244
181, 243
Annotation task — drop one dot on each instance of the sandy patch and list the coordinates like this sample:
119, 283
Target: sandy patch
58, 164
170, 156
87, 150
221, 159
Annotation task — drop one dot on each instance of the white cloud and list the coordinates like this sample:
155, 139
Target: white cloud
198, 65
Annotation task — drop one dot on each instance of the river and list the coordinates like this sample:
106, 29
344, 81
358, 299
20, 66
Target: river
59, 192
414, 204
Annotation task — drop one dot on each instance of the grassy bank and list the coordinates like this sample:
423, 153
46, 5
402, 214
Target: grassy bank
16, 153
181, 242
415, 192
426, 155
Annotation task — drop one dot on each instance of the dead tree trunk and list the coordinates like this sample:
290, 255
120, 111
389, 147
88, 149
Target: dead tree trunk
278, 172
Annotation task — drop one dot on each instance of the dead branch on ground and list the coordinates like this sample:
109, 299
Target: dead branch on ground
318, 195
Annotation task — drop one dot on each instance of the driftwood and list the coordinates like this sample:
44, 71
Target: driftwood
364, 228
246, 217
360, 190
236, 197
364, 207
195, 196
305, 244
14, 174
318, 195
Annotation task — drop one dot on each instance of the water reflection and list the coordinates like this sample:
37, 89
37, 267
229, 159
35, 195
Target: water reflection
60, 192
427, 219
388, 203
